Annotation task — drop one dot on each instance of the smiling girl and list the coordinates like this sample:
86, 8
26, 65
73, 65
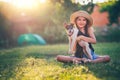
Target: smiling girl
83, 44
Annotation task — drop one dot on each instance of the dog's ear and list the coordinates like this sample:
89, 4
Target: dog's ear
71, 24
65, 24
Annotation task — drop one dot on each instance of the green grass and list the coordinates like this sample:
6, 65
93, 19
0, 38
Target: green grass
38, 63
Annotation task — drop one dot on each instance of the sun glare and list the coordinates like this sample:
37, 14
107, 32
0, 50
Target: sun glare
42, 1
24, 3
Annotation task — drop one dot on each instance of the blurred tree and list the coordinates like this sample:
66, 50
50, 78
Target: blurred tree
89, 7
59, 1
2, 28
113, 7
5, 30
69, 8
2, 24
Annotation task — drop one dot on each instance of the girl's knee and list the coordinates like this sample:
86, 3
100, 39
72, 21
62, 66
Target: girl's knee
107, 58
58, 57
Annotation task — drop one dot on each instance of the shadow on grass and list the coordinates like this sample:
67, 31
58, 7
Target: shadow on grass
10, 59
41, 55
8, 62
105, 71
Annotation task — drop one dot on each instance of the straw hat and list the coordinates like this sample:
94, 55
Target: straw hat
83, 14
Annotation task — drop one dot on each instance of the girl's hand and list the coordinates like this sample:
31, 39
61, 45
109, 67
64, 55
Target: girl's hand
79, 38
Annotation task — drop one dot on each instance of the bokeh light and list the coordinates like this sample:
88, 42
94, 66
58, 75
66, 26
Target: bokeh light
85, 2
25, 3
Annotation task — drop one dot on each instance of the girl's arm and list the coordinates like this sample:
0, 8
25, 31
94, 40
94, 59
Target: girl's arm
91, 39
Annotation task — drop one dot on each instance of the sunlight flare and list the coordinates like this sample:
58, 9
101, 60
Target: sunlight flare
42, 1
24, 3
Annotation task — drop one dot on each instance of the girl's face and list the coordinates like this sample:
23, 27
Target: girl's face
81, 22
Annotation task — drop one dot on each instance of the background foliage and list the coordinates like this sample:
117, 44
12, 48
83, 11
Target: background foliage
48, 20
113, 7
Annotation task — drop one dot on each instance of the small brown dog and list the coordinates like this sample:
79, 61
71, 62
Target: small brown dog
72, 35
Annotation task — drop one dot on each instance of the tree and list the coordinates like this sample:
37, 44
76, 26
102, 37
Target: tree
113, 8
5, 33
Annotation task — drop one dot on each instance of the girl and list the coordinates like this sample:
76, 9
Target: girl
83, 22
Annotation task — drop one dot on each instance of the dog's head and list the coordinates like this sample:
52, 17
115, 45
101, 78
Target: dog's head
69, 29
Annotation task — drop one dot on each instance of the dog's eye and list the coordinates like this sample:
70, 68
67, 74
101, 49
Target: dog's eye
71, 27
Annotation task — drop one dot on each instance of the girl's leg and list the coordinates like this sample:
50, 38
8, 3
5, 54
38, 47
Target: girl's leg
66, 59
100, 59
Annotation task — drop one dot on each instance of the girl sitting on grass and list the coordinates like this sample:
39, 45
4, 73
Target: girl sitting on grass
83, 22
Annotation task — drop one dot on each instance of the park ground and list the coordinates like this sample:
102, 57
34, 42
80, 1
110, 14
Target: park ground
37, 62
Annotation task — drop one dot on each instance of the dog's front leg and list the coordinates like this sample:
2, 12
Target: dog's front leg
70, 46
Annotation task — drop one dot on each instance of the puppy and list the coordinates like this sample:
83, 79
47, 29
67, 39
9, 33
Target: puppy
72, 35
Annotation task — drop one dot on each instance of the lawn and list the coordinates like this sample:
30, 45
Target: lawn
38, 63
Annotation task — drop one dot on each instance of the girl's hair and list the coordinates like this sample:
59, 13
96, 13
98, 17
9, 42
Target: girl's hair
86, 26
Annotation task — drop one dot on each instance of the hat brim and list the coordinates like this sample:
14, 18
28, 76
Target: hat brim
83, 14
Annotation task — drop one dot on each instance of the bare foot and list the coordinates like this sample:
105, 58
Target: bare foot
77, 61
85, 60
